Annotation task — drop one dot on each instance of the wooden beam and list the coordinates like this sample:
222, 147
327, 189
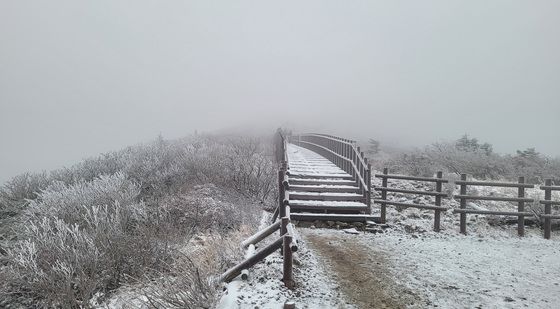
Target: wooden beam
262, 234
235, 271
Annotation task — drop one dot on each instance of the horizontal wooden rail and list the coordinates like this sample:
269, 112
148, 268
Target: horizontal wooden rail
492, 212
494, 198
417, 192
550, 202
551, 216
262, 234
419, 206
413, 178
236, 270
494, 184
551, 188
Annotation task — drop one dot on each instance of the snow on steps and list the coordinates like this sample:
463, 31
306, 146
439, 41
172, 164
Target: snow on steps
325, 196
319, 181
334, 217
325, 188
297, 205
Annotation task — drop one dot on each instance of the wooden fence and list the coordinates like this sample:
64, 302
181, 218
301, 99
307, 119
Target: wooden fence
287, 242
548, 202
438, 194
345, 154
520, 200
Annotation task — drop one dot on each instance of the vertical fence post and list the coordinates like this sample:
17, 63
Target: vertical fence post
281, 193
368, 192
463, 205
288, 277
437, 214
521, 208
384, 195
547, 209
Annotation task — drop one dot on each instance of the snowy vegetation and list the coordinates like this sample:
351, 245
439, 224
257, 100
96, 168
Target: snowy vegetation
76, 234
468, 155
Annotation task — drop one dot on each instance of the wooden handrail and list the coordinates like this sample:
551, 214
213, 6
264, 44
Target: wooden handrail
358, 173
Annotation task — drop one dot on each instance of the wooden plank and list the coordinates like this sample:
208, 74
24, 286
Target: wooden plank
235, 271
313, 181
552, 188
550, 216
334, 217
260, 235
320, 176
304, 207
414, 178
494, 184
430, 207
324, 189
494, 198
316, 197
492, 212
416, 192
550, 202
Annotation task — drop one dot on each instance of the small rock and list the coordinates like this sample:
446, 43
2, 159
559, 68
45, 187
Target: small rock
351, 231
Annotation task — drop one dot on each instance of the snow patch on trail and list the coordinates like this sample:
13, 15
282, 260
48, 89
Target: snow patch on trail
264, 288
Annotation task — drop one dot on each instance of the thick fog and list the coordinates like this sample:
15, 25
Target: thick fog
82, 77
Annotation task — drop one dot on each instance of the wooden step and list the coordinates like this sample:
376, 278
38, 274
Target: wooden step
318, 181
303, 205
320, 175
325, 196
334, 217
325, 188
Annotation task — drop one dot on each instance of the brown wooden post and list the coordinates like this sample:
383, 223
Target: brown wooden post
368, 192
521, 208
384, 196
463, 205
437, 214
281, 193
288, 277
284, 225
547, 209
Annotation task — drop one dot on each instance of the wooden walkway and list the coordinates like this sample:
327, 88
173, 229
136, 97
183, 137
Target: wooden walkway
320, 190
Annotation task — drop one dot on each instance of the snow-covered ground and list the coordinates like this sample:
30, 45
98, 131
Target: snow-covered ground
264, 288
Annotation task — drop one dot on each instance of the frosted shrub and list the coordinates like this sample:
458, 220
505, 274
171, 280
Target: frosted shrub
68, 202
81, 239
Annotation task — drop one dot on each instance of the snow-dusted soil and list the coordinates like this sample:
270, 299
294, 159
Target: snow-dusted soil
409, 266
264, 288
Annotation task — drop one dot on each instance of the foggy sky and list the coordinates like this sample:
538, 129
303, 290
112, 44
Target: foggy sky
82, 77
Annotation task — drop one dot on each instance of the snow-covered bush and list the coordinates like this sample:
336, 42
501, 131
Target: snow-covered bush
81, 239
86, 229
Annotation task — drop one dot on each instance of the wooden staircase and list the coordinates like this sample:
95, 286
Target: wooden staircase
320, 190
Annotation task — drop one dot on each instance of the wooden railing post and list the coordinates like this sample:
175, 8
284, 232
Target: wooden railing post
384, 182
521, 208
437, 214
463, 205
288, 276
547, 209
368, 192
281, 193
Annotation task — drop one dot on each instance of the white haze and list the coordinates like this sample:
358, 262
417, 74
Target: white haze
82, 77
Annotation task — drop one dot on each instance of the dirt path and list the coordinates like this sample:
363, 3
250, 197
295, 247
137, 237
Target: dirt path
362, 273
